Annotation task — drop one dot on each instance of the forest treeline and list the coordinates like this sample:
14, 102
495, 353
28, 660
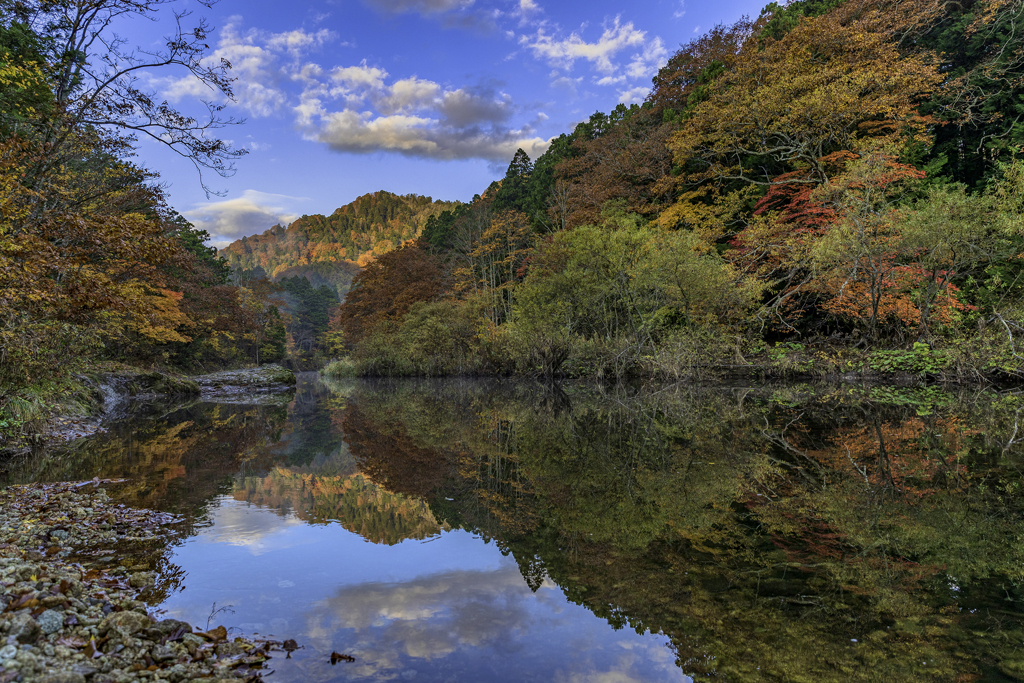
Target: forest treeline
839, 175
832, 175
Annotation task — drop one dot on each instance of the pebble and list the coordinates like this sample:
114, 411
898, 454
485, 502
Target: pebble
61, 623
50, 621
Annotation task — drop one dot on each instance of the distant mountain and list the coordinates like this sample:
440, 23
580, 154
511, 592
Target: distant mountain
330, 250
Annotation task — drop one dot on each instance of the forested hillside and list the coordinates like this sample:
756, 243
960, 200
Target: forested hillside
330, 250
94, 265
836, 182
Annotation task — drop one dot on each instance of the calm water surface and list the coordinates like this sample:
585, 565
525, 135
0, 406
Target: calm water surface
479, 531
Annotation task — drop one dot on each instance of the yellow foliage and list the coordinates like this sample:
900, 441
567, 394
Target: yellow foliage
820, 89
151, 313
706, 211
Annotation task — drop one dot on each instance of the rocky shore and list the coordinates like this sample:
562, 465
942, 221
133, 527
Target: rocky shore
248, 385
61, 622
118, 391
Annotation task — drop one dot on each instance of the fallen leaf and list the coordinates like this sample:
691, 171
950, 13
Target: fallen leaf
26, 600
338, 657
72, 641
219, 633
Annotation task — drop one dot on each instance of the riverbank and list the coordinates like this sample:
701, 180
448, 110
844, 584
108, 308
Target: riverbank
77, 406
63, 623
715, 360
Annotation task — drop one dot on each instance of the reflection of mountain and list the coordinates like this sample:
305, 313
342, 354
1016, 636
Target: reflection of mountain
352, 500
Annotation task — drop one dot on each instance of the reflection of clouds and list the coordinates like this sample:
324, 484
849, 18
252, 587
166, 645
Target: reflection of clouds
476, 608
485, 625
424, 619
625, 668
242, 525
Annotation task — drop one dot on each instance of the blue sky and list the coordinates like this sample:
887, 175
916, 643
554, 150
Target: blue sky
432, 97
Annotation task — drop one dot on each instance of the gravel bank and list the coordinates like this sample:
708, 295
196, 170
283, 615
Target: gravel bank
63, 623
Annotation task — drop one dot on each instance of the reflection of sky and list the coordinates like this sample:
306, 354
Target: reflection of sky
451, 608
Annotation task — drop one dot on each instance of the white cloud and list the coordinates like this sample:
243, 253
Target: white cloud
646, 55
411, 116
634, 95
564, 53
408, 94
418, 136
681, 12
251, 213
359, 108
256, 64
358, 77
295, 42
646, 63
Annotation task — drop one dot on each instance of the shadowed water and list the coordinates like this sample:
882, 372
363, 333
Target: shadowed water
469, 531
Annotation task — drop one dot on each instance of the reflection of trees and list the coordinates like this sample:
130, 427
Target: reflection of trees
353, 501
755, 529
176, 462
310, 431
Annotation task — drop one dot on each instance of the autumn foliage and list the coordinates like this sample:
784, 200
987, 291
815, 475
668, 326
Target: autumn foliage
93, 263
387, 288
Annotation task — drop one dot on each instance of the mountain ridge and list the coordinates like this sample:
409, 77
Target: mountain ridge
330, 250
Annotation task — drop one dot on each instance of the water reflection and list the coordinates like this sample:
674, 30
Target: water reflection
484, 531
452, 608
354, 501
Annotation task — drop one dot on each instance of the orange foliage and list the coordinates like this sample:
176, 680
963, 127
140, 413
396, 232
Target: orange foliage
388, 287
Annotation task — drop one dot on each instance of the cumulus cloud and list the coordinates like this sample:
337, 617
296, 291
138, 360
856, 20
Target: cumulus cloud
633, 95
564, 53
258, 65
296, 42
251, 213
646, 63
411, 116
622, 54
407, 94
417, 136
360, 108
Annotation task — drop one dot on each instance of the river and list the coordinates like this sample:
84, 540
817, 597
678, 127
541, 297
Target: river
465, 530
